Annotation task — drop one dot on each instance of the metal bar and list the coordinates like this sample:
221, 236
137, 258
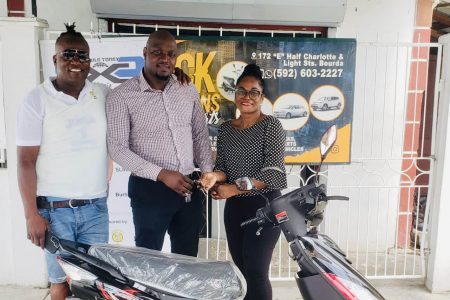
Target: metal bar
386, 237
430, 192
218, 225
405, 107
364, 104
372, 140
360, 159
195, 28
415, 233
367, 243
384, 101
396, 235
398, 44
425, 102
415, 100
207, 229
357, 230
396, 98
406, 230
378, 226
368, 277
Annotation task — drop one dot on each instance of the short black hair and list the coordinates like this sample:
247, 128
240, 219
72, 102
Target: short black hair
160, 35
252, 70
70, 35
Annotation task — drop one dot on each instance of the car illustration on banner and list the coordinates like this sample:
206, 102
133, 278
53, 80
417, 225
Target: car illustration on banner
290, 111
326, 103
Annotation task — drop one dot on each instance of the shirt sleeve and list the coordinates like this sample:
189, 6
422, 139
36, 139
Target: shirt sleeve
118, 134
200, 135
29, 121
273, 172
220, 159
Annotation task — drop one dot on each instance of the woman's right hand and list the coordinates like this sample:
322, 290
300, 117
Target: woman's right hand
208, 180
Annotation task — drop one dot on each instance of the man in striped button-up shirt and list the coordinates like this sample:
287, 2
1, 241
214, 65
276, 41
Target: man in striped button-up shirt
157, 130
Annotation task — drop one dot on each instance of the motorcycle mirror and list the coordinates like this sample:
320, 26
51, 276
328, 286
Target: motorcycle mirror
244, 184
327, 141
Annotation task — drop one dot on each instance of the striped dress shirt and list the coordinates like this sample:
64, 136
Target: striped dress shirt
150, 130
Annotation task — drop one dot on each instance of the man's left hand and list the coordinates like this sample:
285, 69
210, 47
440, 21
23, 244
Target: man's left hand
182, 77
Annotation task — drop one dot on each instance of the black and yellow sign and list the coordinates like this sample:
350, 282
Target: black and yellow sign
309, 87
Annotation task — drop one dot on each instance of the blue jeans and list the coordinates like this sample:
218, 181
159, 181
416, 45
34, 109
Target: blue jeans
86, 224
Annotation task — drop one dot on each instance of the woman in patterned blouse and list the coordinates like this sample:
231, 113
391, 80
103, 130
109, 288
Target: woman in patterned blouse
250, 146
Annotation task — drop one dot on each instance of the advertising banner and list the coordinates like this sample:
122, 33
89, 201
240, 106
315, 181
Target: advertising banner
309, 82
309, 87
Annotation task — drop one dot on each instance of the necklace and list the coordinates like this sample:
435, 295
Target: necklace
251, 124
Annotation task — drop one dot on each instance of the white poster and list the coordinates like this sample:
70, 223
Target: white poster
113, 60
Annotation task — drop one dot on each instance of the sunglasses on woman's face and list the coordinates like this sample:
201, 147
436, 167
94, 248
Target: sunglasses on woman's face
252, 94
71, 54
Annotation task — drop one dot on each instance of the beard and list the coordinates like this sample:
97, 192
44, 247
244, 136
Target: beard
163, 77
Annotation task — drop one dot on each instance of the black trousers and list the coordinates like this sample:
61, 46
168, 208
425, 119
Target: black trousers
251, 253
157, 209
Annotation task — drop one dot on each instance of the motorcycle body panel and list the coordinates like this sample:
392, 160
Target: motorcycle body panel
316, 254
316, 287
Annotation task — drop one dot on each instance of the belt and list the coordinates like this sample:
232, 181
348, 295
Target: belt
43, 203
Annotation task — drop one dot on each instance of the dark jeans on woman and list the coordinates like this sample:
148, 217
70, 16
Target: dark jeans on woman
251, 253
157, 209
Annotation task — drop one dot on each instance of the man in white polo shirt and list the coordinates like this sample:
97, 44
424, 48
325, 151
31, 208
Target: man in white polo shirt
62, 155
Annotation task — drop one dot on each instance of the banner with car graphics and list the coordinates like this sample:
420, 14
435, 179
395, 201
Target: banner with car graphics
309, 87
310, 82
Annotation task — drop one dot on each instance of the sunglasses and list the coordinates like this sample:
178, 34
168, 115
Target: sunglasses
70, 54
252, 94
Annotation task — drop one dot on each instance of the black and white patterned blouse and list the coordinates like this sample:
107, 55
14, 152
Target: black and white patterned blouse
256, 152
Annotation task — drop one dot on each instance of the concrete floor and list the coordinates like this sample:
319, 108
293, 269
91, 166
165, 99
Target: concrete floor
283, 290
390, 289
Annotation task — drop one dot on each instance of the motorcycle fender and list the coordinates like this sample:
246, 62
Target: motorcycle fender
316, 287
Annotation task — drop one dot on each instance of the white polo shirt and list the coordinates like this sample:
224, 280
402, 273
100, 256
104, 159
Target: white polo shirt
72, 160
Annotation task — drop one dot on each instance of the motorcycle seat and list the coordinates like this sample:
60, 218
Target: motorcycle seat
179, 275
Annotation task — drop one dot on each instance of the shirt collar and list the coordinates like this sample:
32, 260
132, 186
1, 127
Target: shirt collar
48, 85
144, 86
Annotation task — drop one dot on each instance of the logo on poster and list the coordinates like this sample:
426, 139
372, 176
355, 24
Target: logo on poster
117, 236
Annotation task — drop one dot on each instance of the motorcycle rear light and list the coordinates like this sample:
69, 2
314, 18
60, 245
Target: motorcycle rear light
76, 273
110, 292
340, 286
348, 289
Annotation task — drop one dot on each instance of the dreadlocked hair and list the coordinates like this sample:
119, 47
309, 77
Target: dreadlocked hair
70, 34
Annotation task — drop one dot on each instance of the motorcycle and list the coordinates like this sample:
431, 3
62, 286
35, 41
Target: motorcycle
324, 271
111, 272
228, 84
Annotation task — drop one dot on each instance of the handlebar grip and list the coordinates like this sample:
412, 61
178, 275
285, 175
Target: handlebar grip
343, 198
253, 220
